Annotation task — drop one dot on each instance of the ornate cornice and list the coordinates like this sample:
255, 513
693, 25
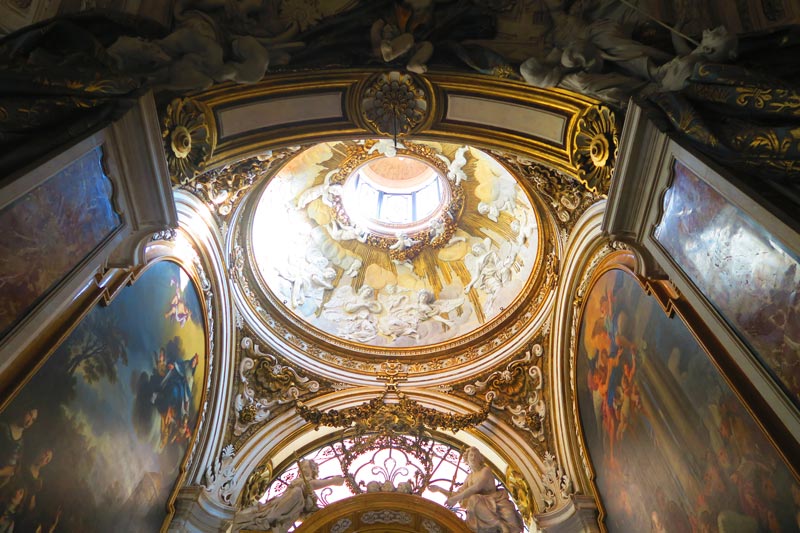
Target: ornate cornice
403, 417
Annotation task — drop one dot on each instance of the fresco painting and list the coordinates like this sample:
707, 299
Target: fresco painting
672, 447
49, 231
745, 273
101, 429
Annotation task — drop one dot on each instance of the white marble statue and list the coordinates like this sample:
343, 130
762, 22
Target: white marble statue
390, 39
280, 513
200, 52
717, 46
488, 507
582, 48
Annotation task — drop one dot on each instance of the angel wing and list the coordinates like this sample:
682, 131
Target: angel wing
454, 171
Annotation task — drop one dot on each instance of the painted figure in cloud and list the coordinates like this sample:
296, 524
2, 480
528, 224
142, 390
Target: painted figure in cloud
178, 310
611, 372
167, 391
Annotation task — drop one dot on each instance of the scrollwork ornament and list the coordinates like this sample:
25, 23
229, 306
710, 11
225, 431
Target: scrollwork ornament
189, 138
265, 385
393, 104
169, 234
517, 389
431, 526
595, 144
403, 417
222, 188
567, 198
386, 516
342, 525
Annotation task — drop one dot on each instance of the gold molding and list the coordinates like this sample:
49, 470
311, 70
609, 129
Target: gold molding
594, 147
190, 136
352, 83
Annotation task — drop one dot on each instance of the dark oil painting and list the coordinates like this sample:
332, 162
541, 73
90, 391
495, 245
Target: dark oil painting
748, 275
672, 447
96, 439
49, 231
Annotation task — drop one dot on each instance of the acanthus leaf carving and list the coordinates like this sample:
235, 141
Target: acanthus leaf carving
265, 384
558, 485
219, 477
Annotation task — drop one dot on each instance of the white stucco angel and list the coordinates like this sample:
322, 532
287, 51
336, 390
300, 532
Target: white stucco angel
394, 296
403, 242
455, 172
408, 314
326, 191
280, 513
344, 232
524, 225
354, 313
308, 279
502, 196
490, 270
386, 147
334, 252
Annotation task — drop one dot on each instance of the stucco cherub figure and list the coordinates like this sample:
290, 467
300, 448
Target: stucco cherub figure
280, 513
488, 508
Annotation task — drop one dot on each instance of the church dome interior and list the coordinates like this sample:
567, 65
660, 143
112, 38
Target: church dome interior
490, 266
